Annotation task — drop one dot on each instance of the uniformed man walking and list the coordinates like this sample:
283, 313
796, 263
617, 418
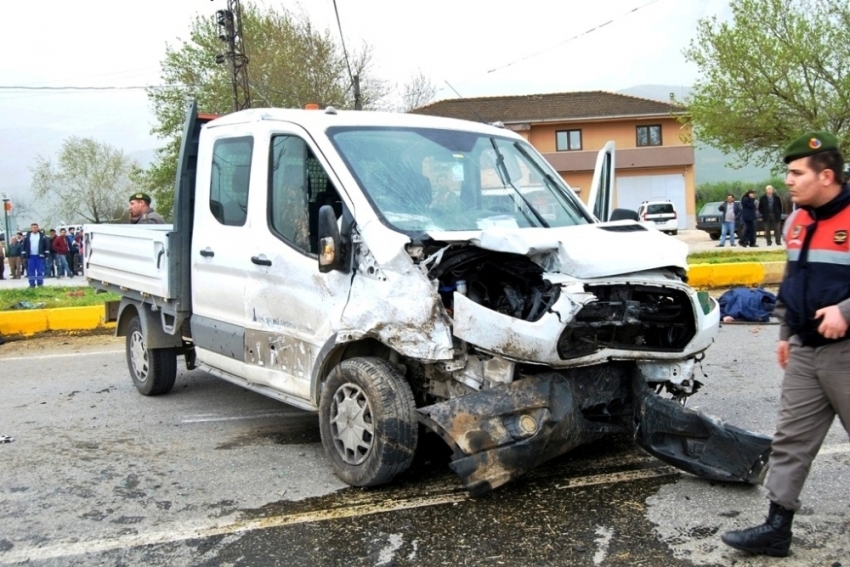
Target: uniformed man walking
813, 347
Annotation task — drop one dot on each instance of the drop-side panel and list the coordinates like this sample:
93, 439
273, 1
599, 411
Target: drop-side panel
129, 256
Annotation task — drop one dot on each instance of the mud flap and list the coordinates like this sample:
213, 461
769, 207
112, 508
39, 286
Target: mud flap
695, 442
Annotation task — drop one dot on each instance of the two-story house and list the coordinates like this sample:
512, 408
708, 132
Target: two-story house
654, 158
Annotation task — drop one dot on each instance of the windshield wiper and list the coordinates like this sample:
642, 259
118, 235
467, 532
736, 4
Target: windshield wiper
503, 171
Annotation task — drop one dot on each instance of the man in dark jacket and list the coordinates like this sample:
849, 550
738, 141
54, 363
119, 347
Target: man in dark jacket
770, 207
35, 251
15, 247
748, 215
730, 212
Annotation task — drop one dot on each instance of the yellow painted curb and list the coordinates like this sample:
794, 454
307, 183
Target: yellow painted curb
31, 321
735, 274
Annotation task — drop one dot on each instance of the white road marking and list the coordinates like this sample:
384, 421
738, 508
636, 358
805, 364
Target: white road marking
30, 357
179, 532
387, 553
625, 476
602, 544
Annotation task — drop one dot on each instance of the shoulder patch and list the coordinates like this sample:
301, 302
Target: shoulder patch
796, 232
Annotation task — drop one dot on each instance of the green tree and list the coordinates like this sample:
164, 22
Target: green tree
291, 63
90, 181
775, 70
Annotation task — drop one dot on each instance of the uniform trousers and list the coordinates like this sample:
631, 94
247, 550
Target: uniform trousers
815, 388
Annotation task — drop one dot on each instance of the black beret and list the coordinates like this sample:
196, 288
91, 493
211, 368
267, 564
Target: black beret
809, 144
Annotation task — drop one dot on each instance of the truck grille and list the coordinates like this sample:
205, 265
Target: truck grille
630, 318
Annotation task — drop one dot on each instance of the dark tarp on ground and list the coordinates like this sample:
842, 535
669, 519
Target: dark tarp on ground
747, 304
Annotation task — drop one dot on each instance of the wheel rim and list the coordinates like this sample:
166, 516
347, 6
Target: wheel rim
139, 356
352, 426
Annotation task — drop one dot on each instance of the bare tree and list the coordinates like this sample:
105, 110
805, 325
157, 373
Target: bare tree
89, 182
417, 91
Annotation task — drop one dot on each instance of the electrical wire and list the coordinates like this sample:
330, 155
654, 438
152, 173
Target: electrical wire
342, 41
591, 30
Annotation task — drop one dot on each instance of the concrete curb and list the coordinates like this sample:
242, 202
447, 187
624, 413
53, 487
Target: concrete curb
30, 322
707, 276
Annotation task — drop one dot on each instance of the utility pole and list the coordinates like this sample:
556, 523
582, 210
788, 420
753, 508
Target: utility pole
7, 206
229, 22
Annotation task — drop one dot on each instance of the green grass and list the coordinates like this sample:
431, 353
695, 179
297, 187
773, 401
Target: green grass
51, 296
723, 257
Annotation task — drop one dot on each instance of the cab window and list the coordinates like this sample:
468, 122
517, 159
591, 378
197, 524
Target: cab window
231, 174
298, 187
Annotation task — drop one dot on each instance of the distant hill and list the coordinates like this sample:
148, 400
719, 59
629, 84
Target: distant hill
711, 163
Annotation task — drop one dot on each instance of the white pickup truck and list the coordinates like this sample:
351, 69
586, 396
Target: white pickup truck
402, 273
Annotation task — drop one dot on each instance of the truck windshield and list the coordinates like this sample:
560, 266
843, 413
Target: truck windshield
422, 179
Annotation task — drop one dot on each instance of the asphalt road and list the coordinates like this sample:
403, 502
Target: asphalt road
211, 474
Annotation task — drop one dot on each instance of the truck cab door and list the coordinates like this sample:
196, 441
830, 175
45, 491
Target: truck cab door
292, 310
601, 198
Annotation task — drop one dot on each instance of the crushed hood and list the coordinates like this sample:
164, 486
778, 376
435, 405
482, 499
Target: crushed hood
583, 251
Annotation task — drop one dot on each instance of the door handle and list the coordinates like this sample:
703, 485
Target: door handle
260, 261
207, 253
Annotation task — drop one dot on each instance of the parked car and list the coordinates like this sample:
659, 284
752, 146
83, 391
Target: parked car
660, 215
709, 220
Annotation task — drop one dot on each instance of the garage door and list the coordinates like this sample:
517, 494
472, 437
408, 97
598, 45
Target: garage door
634, 190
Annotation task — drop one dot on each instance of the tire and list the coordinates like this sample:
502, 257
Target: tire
371, 394
674, 232
153, 370
714, 235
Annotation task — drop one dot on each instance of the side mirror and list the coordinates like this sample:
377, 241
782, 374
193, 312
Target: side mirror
330, 246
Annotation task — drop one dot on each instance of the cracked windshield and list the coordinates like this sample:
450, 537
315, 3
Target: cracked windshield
448, 180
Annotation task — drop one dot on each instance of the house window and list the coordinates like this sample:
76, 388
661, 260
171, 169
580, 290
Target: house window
649, 135
568, 140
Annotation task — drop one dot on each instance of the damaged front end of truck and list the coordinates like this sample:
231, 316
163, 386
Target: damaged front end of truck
549, 362
524, 326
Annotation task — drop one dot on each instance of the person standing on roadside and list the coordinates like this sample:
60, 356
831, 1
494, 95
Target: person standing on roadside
60, 248
813, 348
770, 207
748, 215
15, 247
35, 251
3, 260
730, 212
141, 211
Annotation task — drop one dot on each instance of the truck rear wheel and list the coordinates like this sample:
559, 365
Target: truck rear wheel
367, 417
153, 370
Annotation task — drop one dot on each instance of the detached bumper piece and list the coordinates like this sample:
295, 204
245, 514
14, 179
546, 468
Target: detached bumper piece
499, 434
698, 443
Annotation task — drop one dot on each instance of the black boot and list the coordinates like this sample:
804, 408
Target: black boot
771, 538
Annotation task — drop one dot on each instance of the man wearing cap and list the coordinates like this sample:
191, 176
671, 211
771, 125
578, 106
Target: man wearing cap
141, 211
813, 348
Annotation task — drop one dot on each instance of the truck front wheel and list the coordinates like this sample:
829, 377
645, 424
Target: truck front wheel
367, 417
153, 370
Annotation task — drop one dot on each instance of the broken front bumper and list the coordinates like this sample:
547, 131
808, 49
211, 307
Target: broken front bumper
499, 434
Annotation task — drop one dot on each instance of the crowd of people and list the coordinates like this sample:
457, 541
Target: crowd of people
38, 254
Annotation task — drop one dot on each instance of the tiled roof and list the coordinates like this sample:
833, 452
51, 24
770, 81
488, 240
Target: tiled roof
549, 107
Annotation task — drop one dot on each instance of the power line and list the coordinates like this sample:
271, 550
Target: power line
74, 88
591, 30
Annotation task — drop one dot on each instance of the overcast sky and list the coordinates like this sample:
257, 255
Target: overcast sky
480, 47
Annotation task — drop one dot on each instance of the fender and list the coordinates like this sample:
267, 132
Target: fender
152, 326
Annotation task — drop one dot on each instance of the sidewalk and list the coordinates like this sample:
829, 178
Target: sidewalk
9, 283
